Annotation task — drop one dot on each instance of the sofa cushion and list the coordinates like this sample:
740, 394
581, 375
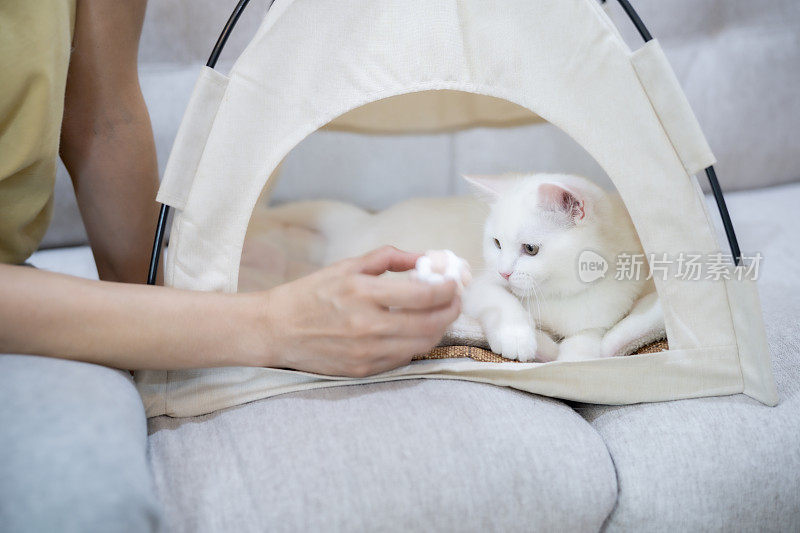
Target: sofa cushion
722, 463
712, 464
412, 455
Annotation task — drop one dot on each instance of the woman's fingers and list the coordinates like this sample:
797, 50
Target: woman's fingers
393, 352
385, 258
409, 293
427, 324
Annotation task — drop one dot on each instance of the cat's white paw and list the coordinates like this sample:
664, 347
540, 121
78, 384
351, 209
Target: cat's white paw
579, 347
513, 341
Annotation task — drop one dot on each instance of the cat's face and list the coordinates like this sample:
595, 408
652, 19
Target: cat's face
536, 229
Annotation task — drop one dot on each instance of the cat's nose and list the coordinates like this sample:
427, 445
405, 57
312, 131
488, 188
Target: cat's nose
505, 275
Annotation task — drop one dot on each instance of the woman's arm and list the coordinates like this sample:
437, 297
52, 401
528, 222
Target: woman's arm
342, 320
106, 138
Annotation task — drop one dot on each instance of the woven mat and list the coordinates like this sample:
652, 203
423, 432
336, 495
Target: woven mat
485, 356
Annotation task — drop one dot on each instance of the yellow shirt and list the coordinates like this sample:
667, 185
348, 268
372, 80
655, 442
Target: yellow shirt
35, 41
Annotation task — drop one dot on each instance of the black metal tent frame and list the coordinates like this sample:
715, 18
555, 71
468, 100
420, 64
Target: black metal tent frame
163, 214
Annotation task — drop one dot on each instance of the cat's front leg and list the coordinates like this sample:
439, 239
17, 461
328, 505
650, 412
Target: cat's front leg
505, 322
582, 345
546, 347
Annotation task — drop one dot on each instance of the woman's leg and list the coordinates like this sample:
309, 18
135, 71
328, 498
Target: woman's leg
73, 449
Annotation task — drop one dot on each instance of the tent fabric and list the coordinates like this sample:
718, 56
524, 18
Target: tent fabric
313, 61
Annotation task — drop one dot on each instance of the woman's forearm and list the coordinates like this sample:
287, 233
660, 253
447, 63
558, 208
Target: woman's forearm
107, 141
124, 325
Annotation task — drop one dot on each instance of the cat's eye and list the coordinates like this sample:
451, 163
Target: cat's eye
530, 249
497, 243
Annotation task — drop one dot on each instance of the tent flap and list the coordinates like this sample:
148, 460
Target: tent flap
672, 107
191, 138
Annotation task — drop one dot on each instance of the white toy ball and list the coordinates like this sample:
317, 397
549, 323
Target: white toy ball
438, 266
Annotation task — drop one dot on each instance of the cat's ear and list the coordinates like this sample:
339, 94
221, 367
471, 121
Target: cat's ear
559, 198
488, 187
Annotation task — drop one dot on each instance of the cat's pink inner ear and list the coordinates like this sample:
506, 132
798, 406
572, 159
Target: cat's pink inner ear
488, 187
558, 198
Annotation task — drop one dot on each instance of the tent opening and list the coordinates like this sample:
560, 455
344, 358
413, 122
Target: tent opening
390, 172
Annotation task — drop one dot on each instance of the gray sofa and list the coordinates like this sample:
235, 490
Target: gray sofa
449, 455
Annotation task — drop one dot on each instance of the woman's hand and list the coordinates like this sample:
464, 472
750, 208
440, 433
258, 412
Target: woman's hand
345, 320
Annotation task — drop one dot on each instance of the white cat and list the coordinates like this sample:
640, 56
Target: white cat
537, 228
523, 241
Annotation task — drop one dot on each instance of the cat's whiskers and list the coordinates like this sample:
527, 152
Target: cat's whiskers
539, 300
533, 294
533, 317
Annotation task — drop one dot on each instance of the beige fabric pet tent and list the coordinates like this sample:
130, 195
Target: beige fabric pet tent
416, 65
